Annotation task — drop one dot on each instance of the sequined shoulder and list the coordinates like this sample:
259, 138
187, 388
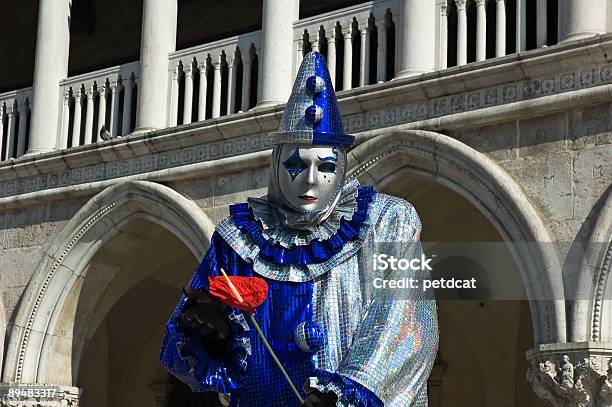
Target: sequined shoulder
398, 220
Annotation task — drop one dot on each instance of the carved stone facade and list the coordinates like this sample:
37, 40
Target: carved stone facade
572, 374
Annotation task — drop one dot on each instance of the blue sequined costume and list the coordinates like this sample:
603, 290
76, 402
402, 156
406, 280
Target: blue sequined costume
375, 349
332, 330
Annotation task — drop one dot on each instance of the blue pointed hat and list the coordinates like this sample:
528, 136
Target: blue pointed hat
312, 115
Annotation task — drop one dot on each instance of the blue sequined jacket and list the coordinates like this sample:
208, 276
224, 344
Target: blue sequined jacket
324, 318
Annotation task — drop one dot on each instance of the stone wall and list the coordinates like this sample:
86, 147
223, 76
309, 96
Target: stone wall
562, 161
24, 236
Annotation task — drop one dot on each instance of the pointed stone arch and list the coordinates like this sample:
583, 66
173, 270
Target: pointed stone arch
31, 346
490, 189
591, 312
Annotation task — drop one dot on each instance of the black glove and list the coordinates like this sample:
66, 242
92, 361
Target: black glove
318, 399
201, 315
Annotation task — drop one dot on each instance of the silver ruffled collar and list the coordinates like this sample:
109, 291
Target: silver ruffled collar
276, 233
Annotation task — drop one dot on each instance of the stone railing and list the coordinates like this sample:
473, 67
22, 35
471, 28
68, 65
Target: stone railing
14, 122
214, 79
354, 40
368, 43
98, 104
458, 18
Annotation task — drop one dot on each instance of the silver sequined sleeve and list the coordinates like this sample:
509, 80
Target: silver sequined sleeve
396, 340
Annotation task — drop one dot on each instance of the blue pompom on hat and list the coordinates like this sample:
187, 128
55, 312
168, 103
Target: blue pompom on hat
312, 115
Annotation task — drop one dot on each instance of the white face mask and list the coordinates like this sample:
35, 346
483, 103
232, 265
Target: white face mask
309, 176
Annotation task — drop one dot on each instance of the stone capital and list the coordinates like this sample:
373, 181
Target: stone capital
188, 69
348, 30
572, 374
23, 107
444, 10
101, 90
363, 25
216, 63
461, 4
113, 87
480, 2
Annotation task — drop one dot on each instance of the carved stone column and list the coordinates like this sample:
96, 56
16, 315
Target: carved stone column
417, 42
276, 74
481, 30
158, 39
581, 19
39, 395
572, 374
461, 32
50, 67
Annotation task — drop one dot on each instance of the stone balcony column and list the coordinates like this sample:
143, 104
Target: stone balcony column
461, 32
542, 23
331, 54
216, 99
246, 83
581, 19
364, 55
347, 76
63, 141
76, 126
188, 94
203, 71
115, 90
481, 30
443, 35
158, 39
276, 74
417, 41
231, 84
11, 114
521, 25
89, 113
1, 140
50, 67
128, 89
500, 33
572, 374
101, 108
23, 124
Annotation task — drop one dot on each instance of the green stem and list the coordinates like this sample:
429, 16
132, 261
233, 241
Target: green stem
278, 363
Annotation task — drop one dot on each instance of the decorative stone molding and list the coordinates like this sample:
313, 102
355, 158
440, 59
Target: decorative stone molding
147, 163
478, 99
572, 374
24, 395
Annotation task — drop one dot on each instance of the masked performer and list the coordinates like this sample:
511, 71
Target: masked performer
312, 239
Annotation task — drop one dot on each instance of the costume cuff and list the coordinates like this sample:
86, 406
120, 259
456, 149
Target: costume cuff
349, 392
183, 354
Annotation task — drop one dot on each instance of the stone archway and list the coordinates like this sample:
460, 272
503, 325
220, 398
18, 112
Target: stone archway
39, 343
490, 189
591, 313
